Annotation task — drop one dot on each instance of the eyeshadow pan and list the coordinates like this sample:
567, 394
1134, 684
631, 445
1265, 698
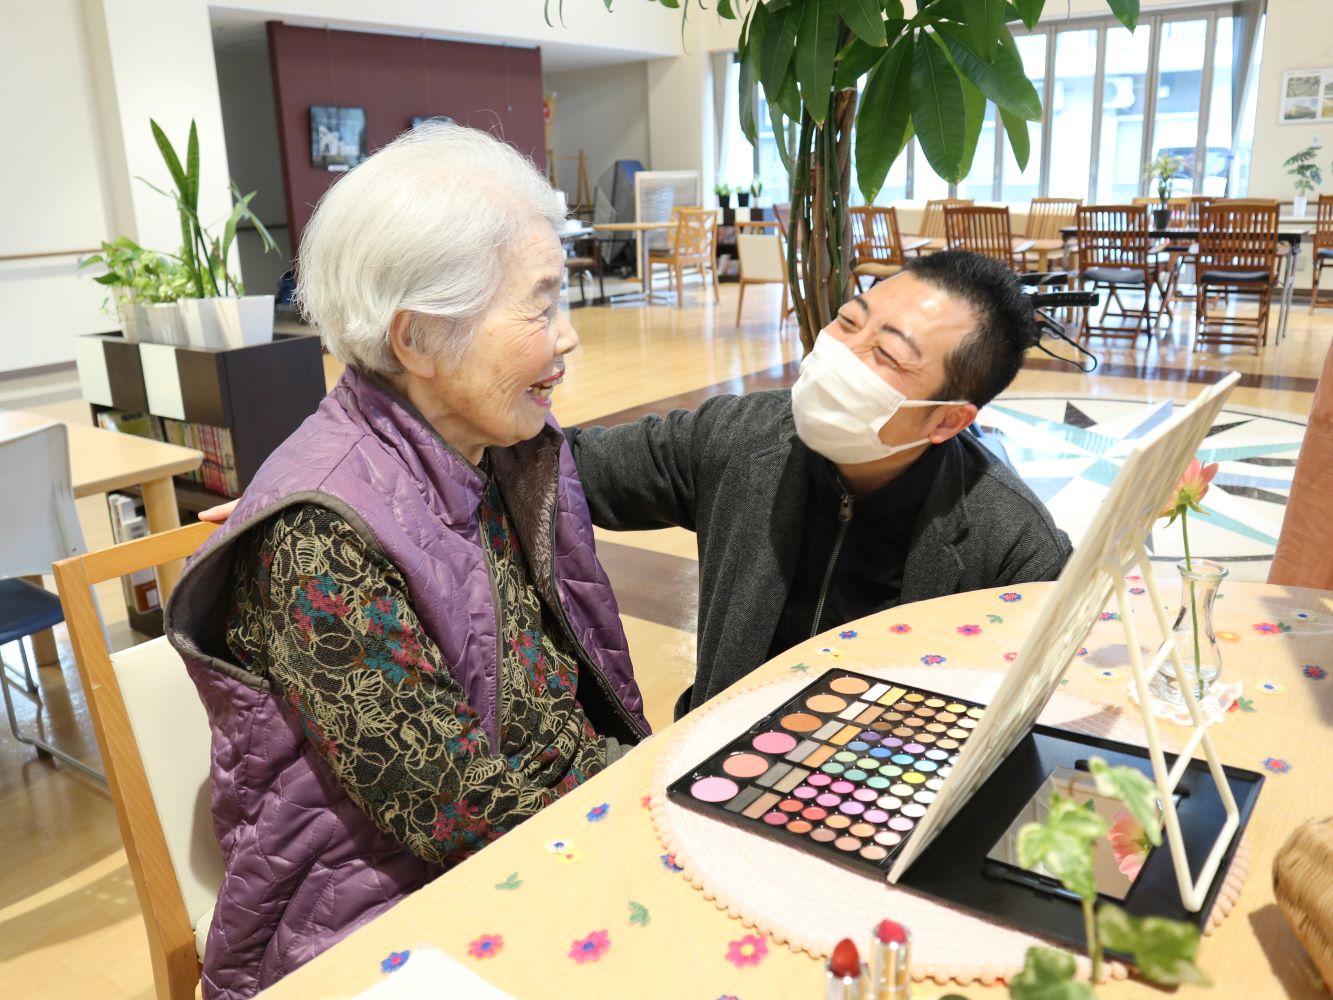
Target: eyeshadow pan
760, 805
901, 823
844, 737
820, 754
852, 710
837, 822
915, 723
935, 727
862, 830
974, 713
847, 844
774, 743
791, 805
893, 716
915, 697
889, 802
745, 765
945, 717
801, 722
914, 810
926, 713
828, 800
876, 691
968, 723
870, 715
875, 816
841, 787
891, 696
825, 703
814, 813
927, 737
865, 795
772, 774
848, 685
844, 756
775, 818
958, 734
828, 729
714, 788
742, 800
854, 774
888, 838
799, 826
794, 778
820, 780
823, 836
833, 767
903, 731
934, 702
948, 744
803, 750
873, 852
953, 706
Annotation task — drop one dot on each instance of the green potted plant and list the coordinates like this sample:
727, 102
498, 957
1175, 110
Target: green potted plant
756, 189
723, 192
1307, 174
124, 260
216, 310
1163, 170
742, 197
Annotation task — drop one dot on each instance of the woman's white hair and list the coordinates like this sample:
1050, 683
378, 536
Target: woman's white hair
423, 225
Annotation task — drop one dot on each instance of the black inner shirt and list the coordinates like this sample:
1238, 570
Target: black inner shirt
868, 573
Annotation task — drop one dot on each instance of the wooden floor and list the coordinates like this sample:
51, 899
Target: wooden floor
69, 919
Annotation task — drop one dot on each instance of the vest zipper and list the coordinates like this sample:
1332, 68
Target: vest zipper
499, 636
844, 518
583, 654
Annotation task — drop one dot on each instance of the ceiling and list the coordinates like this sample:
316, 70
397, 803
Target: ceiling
237, 30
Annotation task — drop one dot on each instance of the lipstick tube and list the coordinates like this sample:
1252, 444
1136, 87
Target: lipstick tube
890, 962
846, 979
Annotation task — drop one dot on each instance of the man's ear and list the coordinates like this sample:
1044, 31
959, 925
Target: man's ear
950, 421
404, 339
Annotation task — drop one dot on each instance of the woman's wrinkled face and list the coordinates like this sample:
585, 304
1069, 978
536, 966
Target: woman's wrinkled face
499, 392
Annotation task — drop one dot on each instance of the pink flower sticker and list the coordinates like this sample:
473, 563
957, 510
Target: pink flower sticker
486, 946
900, 629
968, 630
1011, 656
591, 948
1266, 628
749, 950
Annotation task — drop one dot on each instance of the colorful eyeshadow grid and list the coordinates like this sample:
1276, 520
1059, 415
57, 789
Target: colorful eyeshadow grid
845, 769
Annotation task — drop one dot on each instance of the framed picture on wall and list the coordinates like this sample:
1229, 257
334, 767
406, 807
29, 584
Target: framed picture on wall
418, 120
337, 137
1307, 96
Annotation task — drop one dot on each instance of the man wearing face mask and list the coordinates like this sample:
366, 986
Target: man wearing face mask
851, 493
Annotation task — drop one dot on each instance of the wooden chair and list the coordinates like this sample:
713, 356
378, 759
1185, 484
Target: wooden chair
983, 230
1237, 256
1323, 244
1116, 254
932, 219
694, 246
587, 259
1046, 217
877, 242
763, 261
155, 742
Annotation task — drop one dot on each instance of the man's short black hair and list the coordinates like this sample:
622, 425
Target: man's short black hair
988, 358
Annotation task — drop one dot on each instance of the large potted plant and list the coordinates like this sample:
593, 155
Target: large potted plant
1307, 174
1163, 170
216, 310
931, 75
124, 260
146, 287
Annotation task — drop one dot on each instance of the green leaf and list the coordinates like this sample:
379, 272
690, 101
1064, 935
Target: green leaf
1132, 787
723, 9
511, 883
191, 194
855, 61
779, 122
673, 4
975, 104
1063, 844
239, 211
1002, 81
1163, 949
985, 22
866, 19
883, 122
938, 111
1016, 128
169, 155
995, 619
779, 42
752, 40
1048, 975
1030, 11
788, 97
638, 914
816, 47
1126, 12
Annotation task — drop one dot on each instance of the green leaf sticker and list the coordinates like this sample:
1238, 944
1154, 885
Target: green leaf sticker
1163, 949
1048, 975
1246, 705
512, 882
799, 668
638, 914
995, 619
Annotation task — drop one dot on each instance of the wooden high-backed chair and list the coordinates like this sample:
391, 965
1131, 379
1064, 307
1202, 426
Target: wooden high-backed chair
1323, 245
763, 261
878, 243
694, 246
155, 740
932, 219
1115, 253
1238, 251
983, 230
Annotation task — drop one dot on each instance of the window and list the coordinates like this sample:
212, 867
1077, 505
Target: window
1024, 185
1180, 86
1070, 104
1120, 159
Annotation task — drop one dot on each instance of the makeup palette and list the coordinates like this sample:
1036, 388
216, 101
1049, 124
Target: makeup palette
847, 768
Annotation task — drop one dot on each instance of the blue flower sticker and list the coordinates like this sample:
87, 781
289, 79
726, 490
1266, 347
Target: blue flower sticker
395, 961
848, 633
669, 863
596, 813
1277, 765
934, 659
1010, 597
1313, 672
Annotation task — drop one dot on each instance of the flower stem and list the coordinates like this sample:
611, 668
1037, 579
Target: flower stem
1094, 943
1194, 604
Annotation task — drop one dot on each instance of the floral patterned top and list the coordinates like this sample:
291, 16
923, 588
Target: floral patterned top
329, 622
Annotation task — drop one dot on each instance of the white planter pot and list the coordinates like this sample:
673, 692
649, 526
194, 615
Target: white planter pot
1299, 205
201, 323
245, 321
165, 324
133, 321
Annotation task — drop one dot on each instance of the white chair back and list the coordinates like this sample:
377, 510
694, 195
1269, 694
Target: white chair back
37, 502
760, 256
171, 731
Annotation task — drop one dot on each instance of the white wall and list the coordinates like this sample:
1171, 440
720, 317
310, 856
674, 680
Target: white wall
602, 111
245, 90
52, 184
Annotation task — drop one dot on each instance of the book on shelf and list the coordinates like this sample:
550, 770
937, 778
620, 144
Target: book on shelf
139, 424
218, 473
129, 522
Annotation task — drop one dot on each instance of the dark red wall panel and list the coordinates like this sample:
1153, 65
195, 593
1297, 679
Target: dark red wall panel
394, 78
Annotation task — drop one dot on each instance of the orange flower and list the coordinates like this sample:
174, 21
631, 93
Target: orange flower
1129, 844
1191, 490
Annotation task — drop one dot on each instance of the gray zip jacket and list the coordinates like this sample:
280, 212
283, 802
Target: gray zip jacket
734, 472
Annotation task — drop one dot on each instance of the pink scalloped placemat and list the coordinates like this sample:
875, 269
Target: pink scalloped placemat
790, 894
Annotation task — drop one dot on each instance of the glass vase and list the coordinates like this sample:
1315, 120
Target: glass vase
1201, 659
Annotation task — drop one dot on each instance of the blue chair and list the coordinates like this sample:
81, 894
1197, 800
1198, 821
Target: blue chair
41, 527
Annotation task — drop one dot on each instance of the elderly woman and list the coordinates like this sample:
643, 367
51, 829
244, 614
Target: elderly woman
402, 636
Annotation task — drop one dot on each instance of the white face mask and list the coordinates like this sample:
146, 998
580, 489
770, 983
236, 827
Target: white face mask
840, 406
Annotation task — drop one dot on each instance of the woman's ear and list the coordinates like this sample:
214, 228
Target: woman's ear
952, 421
405, 340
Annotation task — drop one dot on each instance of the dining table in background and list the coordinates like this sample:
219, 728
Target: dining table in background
584, 901
639, 230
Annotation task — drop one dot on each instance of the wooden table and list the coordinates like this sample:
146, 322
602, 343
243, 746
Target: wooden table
103, 461
641, 253
667, 940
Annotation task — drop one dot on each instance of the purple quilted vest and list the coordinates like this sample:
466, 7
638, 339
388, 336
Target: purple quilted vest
304, 865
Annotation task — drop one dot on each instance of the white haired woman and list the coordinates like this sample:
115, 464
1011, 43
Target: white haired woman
402, 636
